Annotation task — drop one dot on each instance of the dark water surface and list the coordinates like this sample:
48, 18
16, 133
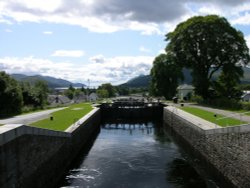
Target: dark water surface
133, 155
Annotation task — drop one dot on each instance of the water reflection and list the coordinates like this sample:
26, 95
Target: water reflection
132, 155
183, 175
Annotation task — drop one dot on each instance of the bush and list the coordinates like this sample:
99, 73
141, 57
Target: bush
245, 106
232, 104
197, 98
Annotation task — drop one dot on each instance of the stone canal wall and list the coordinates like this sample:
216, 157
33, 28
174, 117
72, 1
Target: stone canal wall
225, 152
34, 157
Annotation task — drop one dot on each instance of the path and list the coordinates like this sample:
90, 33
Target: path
226, 113
29, 118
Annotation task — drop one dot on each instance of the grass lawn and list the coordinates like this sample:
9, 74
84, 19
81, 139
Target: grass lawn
64, 118
209, 116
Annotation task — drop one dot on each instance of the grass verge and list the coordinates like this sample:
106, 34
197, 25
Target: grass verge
64, 118
209, 116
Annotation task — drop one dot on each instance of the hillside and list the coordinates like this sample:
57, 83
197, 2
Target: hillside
143, 81
52, 82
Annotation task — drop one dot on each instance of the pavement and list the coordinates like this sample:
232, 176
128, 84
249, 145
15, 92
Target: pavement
199, 122
29, 118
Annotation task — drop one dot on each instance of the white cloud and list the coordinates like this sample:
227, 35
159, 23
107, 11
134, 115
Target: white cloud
97, 59
48, 32
109, 16
247, 38
143, 49
242, 20
8, 31
115, 69
68, 53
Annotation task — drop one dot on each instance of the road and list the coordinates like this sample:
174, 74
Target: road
29, 118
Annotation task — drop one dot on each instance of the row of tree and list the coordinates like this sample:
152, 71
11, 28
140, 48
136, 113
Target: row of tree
15, 95
206, 45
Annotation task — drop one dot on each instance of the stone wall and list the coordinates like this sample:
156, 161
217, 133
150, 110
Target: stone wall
225, 152
34, 157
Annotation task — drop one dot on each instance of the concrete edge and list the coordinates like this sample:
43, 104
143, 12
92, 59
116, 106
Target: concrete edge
215, 130
10, 132
81, 121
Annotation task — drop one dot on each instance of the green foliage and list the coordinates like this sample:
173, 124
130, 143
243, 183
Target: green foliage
122, 90
245, 106
11, 99
165, 76
224, 103
206, 44
69, 93
196, 98
41, 92
228, 82
109, 88
64, 118
34, 95
102, 93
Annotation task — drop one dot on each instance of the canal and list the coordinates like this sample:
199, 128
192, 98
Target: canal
133, 155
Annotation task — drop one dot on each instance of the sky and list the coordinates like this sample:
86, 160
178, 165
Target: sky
103, 41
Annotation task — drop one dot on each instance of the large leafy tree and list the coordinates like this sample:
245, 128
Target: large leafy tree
11, 99
109, 88
165, 76
227, 85
206, 44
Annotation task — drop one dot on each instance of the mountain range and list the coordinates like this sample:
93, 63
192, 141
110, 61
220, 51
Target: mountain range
51, 81
143, 81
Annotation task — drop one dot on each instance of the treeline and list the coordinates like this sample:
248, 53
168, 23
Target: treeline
16, 97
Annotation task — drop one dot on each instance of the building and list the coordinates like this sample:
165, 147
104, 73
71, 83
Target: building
246, 96
93, 97
184, 92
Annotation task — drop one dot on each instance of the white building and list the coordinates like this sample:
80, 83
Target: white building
93, 97
246, 96
185, 91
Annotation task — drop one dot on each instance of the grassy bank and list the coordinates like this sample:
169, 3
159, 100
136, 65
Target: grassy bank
64, 118
209, 116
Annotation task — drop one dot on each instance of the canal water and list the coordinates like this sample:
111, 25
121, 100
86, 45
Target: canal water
133, 155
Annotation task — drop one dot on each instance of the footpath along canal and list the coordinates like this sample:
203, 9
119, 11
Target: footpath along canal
136, 155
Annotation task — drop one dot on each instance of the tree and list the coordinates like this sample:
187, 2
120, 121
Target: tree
111, 89
70, 92
207, 44
11, 99
228, 82
41, 93
165, 76
102, 93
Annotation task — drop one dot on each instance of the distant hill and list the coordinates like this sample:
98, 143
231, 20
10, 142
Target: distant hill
143, 81
51, 81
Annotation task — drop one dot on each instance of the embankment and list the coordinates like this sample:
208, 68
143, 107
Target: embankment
34, 157
225, 152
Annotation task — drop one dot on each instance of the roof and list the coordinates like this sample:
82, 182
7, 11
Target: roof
185, 87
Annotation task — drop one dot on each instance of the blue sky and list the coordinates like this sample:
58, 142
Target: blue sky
103, 41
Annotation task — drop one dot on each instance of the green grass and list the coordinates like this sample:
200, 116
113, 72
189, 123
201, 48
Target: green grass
209, 116
64, 118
